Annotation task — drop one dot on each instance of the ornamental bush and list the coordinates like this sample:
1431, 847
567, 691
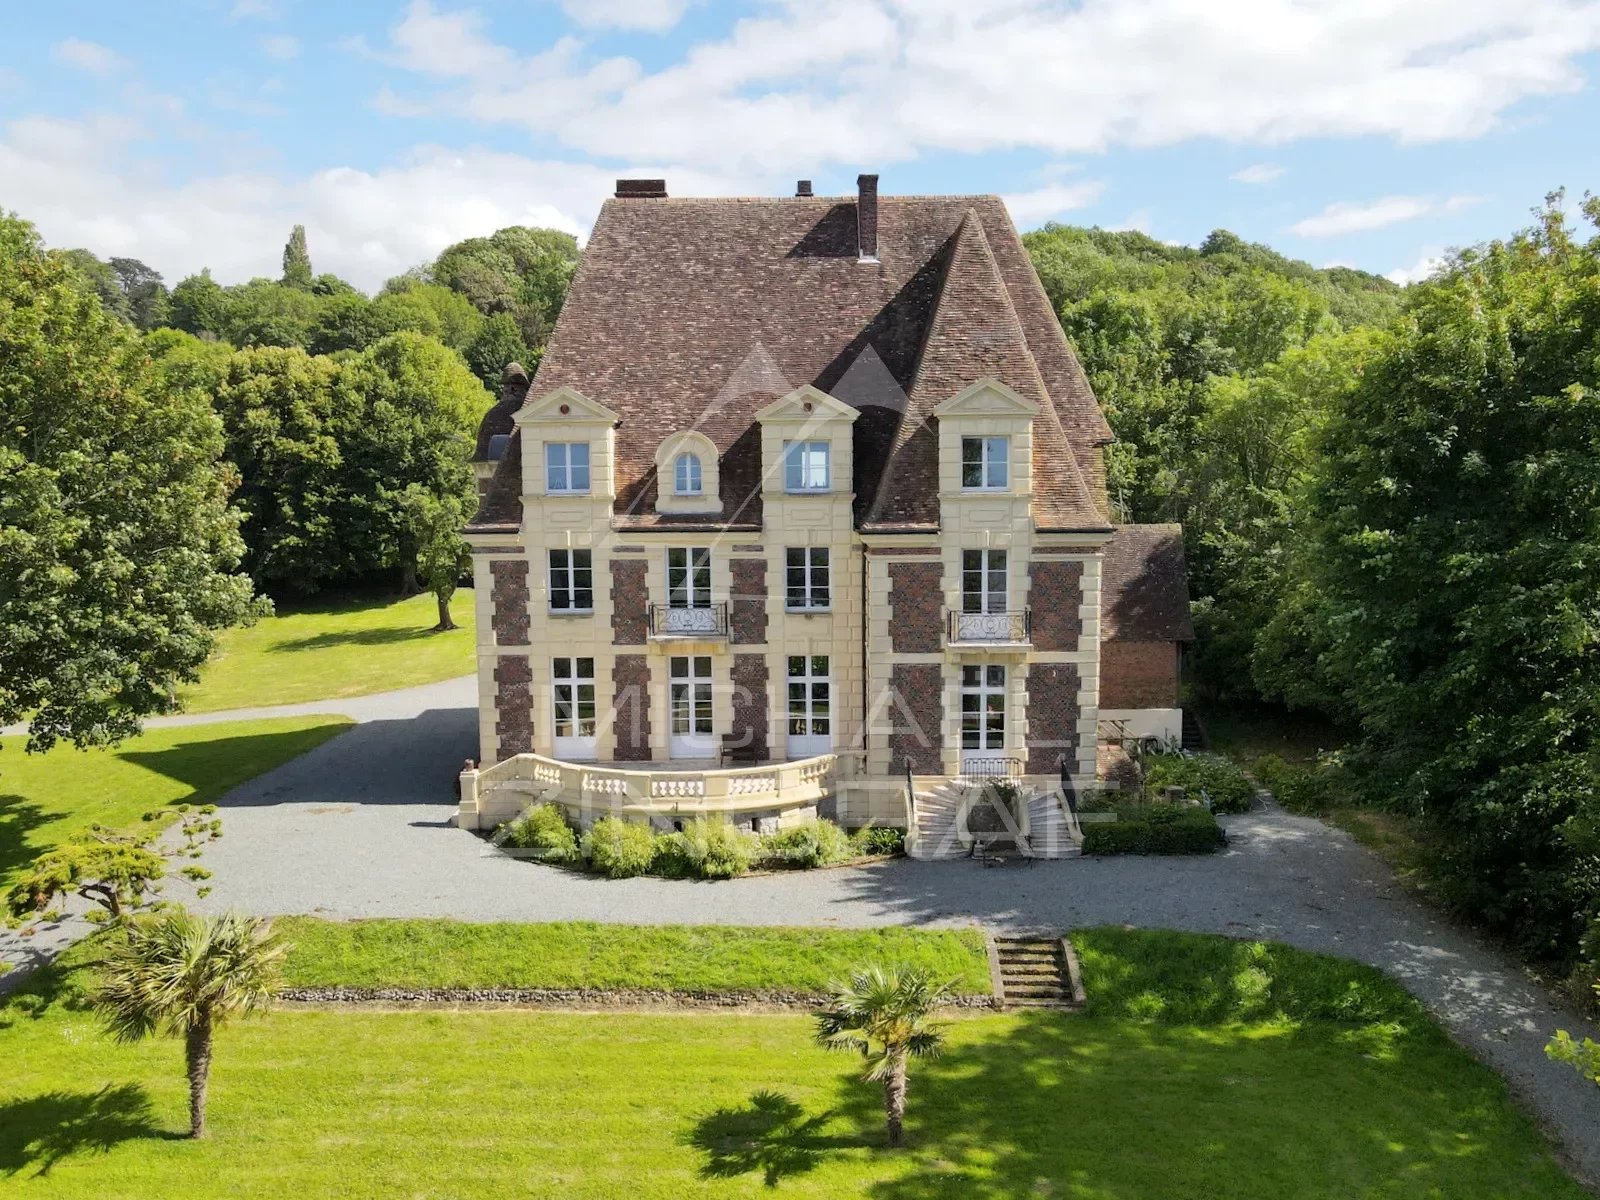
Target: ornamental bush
717, 850
544, 828
807, 844
879, 840
670, 857
1224, 784
1159, 829
619, 849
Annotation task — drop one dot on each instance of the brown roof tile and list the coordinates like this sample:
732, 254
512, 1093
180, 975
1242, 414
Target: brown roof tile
696, 313
1145, 585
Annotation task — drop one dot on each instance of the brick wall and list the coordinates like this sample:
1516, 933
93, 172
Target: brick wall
1052, 716
630, 683
630, 602
750, 717
916, 713
513, 703
1138, 674
747, 613
915, 600
508, 590
1055, 592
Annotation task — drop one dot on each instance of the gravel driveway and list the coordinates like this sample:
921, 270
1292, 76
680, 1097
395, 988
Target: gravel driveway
360, 827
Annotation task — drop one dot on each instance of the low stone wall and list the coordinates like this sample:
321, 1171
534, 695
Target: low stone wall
577, 997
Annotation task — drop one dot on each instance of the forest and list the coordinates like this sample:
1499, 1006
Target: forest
1391, 497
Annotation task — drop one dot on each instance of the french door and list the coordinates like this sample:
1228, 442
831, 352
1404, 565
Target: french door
689, 699
574, 709
983, 713
810, 706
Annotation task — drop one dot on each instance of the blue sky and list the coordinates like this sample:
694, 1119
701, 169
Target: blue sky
1366, 133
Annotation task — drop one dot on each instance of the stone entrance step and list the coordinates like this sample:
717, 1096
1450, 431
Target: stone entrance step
1037, 972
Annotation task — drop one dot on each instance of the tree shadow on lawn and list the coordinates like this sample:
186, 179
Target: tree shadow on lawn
769, 1134
39, 1131
202, 763
353, 637
20, 816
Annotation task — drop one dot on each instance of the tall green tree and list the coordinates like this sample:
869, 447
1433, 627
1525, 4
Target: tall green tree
146, 296
297, 260
118, 547
519, 271
186, 976
1449, 584
197, 305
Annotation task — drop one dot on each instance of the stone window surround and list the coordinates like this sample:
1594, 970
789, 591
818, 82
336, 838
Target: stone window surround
568, 466
809, 568
668, 499
993, 450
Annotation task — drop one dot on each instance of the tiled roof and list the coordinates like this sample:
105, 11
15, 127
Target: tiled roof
691, 313
1145, 585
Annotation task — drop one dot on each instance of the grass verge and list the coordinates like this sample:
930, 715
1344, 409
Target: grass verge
328, 650
1204, 1069
46, 798
578, 954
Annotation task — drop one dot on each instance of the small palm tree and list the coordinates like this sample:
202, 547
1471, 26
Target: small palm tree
184, 975
886, 1015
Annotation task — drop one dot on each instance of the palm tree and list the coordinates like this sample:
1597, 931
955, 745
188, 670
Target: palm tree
885, 1014
184, 975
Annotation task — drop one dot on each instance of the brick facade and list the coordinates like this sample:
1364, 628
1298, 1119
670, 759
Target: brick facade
630, 683
513, 703
747, 613
1055, 593
915, 600
508, 591
916, 712
1138, 674
630, 602
750, 714
1052, 716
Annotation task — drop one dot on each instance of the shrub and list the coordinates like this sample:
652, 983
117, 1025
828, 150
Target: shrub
1159, 829
879, 840
670, 857
618, 848
807, 844
1224, 784
544, 828
717, 850
1299, 787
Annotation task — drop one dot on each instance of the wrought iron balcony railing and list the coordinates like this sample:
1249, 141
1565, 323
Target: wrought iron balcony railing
989, 629
703, 624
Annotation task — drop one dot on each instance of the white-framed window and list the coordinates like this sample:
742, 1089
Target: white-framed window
571, 581
983, 712
686, 474
689, 577
807, 583
689, 707
983, 581
805, 467
573, 695
985, 463
566, 466
810, 711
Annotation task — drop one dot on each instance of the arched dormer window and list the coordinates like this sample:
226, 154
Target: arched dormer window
686, 477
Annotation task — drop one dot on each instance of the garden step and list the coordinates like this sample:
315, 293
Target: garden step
1033, 972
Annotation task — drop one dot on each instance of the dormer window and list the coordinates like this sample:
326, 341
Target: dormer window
566, 467
984, 463
686, 475
805, 466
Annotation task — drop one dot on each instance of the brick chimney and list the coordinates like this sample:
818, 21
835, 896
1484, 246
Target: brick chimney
802, 188
867, 217
641, 189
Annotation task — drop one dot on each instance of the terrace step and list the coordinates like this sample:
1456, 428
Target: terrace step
1034, 972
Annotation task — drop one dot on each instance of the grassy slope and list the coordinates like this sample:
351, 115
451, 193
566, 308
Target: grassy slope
45, 798
326, 651
1239, 1086
424, 953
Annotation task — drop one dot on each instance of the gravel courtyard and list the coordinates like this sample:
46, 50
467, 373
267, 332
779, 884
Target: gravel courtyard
361, 827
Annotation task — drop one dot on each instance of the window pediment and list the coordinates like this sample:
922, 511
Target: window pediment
688, 457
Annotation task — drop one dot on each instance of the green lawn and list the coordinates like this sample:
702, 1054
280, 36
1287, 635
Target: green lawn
1204, 1069
46, 798
579, 954
329, 650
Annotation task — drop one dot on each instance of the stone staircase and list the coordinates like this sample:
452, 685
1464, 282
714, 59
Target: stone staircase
1194, 733
1052, 832
1034, 973
936, 824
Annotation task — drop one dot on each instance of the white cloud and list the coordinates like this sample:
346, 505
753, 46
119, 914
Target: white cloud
1348, 216
1041, 204
1138, 221
871, 82
1429, 261
650, 16
79, 183
86, 56
1259, 173
280, 46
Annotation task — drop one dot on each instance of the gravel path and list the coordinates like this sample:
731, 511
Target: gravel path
360, 827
